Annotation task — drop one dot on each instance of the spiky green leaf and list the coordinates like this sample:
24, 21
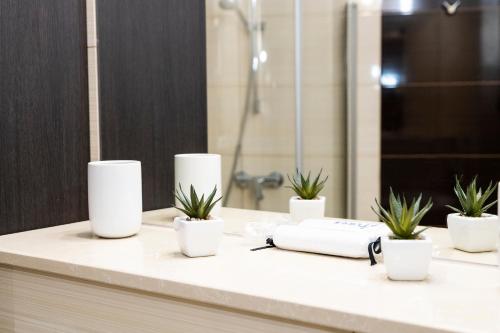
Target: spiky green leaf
402, 219
194, 206
304, 187
473, 200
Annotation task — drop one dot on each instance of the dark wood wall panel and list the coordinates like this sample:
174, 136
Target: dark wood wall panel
44, 146
442, 117
152, 77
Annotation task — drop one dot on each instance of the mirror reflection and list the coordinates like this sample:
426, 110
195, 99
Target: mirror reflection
377, 94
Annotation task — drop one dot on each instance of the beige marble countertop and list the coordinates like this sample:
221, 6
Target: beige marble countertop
236, 219
323, 290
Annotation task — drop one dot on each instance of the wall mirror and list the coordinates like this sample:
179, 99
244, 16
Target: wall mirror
401, 93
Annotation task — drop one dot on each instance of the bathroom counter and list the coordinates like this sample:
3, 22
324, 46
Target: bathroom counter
236, 219
144, 279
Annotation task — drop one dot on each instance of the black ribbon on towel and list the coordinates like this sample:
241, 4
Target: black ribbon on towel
268, 241
374, 248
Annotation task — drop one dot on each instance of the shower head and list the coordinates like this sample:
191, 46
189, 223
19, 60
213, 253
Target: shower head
228, 4
234, 5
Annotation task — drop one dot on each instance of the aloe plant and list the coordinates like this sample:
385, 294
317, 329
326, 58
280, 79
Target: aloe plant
473, 200
194, 207
401, 218
304, 187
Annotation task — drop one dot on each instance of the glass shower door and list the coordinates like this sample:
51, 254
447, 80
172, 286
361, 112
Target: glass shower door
251, 68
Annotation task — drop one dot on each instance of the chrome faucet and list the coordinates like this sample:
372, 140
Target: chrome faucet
258, 183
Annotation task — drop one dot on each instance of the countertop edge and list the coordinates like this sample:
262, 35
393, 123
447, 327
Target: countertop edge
238, 301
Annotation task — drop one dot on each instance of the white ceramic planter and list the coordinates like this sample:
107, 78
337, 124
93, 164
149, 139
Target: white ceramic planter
203, 171
473, 234
407, 260
115, 198
199, 238
301, 209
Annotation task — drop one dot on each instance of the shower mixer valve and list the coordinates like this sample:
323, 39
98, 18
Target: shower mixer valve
258, 183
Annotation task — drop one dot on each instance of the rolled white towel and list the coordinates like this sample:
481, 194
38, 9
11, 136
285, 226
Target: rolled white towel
340, 237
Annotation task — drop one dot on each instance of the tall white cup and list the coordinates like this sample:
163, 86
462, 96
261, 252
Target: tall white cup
115, 198
203, 171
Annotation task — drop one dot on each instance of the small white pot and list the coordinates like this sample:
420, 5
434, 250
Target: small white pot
407, 259
115, 198
473, 234
199, 238
301, 209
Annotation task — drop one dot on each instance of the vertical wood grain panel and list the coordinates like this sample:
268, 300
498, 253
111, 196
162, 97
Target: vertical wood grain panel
43, 113
152, 86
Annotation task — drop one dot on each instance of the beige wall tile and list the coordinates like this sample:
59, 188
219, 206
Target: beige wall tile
224, 114
271, 132
244, 57
335, 190
266, 8
368, 187
369, 48
236, 196
309, 7
323, 50
222, 50
211, 7
323, 118
370, 27
277, 7
368, 70
369, 121
277, 40
369, 108
368, 150
368, 6
323, 7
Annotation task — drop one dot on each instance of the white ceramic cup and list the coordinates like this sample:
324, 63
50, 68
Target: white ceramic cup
115, 198
203, 171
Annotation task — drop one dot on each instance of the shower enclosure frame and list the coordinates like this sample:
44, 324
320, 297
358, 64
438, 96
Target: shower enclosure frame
351, 109
252, 103
298, 86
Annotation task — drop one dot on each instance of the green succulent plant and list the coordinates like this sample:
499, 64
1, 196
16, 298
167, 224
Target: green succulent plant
473, 200
195, 207
401, 218
304, 187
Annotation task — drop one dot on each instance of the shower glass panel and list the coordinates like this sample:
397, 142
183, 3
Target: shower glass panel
251, 68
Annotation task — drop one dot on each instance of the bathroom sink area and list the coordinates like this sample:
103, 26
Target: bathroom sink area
143, 282
237, 219
175, 166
